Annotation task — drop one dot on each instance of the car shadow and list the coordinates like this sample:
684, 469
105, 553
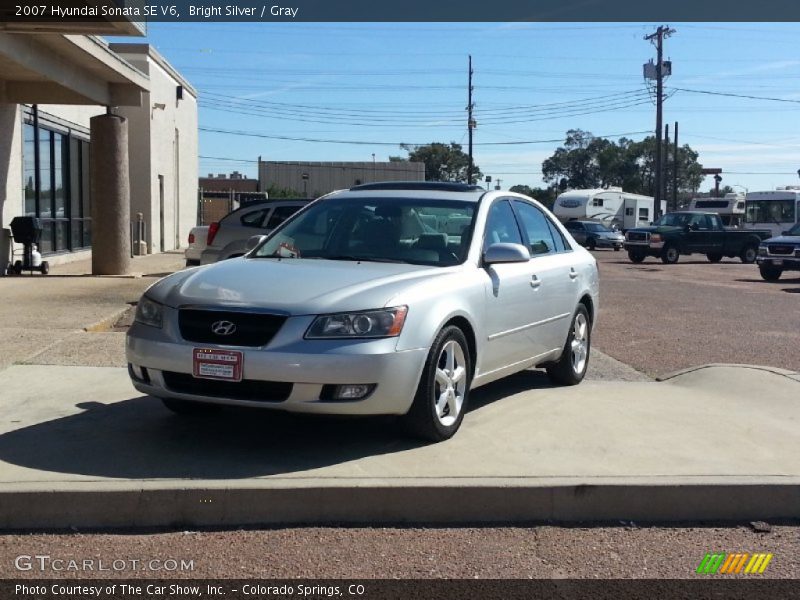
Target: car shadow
140, 439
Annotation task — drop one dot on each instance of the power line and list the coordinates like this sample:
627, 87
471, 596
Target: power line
375, 143
712, 93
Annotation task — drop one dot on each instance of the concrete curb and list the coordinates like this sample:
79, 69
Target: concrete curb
775, 370
384, 504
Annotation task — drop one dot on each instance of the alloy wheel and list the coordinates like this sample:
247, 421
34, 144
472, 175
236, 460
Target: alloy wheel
450, 383
580, 343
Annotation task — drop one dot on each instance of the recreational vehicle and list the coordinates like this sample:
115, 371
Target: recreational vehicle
730, 208
774, 210
611, 206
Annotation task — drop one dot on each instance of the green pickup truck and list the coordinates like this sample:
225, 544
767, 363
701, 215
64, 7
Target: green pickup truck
692, 233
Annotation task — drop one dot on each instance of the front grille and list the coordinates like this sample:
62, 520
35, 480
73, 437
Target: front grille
252, 329
638, 236
247, 389
780, 249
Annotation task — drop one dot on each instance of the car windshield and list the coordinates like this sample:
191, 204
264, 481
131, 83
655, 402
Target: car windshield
674, 219
794, 230
408, 230
598, 227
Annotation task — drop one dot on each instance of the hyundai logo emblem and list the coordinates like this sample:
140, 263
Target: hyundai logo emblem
223, 328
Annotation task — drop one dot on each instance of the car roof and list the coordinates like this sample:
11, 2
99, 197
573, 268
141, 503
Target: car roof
436, 190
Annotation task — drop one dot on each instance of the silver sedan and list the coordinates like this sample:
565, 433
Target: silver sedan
385, 299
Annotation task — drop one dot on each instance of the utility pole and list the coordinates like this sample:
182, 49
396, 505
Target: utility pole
658, 39
675, 163
470, 120
665, 168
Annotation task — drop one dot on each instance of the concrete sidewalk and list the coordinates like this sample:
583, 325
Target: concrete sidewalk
80, 447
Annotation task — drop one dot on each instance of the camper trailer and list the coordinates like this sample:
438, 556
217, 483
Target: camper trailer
730, 208
611, 206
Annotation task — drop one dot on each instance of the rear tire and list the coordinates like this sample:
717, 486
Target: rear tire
770, 273
670, 255
714, 258
186, 407
636, 256
617, 248
443, 389
45, 268
18, 267
571, 367
748, 254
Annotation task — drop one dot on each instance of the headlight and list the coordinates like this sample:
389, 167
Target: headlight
149, 312
655, 238
385, 322
762, 251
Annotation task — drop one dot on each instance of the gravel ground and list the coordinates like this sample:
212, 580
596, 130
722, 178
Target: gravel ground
660, 318
355, 553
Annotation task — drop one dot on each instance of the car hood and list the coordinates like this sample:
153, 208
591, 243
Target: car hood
783, 239
609, 235
295, 286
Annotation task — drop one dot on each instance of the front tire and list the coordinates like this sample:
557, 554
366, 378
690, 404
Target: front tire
770, 273
748, 254
591, 244
571, 367
670, 255
443, 390
636, 256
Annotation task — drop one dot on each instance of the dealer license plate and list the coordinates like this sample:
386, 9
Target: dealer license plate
777, 261
209, 363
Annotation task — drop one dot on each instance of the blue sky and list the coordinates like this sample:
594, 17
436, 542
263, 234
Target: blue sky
387, 83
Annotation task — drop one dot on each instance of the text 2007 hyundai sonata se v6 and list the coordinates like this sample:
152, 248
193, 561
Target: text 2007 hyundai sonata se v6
385, 299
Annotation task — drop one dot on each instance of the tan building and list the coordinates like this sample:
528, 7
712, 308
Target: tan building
313, 179
67, 156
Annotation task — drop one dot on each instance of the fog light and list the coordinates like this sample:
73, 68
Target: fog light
138, 373
353, 391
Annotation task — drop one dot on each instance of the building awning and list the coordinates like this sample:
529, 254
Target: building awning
66, 69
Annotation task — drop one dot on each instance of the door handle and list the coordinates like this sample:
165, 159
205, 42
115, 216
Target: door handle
573, 274
535, 282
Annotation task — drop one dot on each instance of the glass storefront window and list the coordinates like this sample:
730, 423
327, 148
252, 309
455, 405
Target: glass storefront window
56, 188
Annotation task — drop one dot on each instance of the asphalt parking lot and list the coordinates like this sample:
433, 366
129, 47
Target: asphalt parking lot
661, 318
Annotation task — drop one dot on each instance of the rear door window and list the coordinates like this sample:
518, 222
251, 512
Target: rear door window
280, 214
254, 219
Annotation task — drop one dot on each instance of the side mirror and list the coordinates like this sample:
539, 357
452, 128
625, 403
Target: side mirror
254, 241
505, 253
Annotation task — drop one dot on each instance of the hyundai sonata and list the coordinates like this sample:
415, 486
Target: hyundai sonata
384, 299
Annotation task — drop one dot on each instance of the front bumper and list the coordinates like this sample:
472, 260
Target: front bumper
307, 364
786, 263
607, 243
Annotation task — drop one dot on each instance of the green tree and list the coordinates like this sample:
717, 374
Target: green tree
443, 162
585, 161
274, 192
546, 196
